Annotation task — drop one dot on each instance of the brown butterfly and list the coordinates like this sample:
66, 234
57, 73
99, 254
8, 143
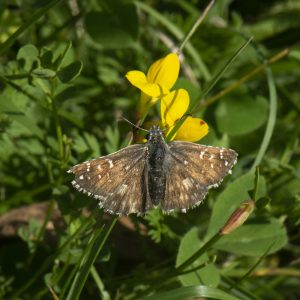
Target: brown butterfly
175, 175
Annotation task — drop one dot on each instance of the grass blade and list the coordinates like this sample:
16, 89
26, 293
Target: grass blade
191, 291
271, 120
97, 244
29, 22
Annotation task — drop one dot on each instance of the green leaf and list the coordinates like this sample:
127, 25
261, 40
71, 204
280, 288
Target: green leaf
46, 58
60, 190
61, 58
117, 29
20, 116
112, 139
208, 275
92, 141
190, 292
70, 72
32, 146
67, 92
108, 75
241, 114
255, 238
43, 73
230, 199
27, 56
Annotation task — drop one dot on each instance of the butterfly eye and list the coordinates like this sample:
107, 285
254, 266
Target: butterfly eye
147, 136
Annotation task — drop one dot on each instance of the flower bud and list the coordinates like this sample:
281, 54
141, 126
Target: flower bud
238, 217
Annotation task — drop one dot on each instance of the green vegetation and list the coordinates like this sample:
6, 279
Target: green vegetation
62, 92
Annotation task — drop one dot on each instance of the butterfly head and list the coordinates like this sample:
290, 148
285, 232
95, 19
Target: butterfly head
155, 135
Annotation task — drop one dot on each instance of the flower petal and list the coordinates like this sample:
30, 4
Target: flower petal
192, 130
136, 78
139, 80
173, 106
165, 71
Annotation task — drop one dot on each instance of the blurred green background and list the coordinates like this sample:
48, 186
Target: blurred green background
62, 92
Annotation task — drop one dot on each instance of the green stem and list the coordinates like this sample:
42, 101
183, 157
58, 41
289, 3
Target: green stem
42, 230
104, 294
58, 129
196, 24
200, 252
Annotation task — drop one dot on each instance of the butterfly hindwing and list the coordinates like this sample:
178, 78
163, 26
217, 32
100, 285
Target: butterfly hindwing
115, 180
182, 190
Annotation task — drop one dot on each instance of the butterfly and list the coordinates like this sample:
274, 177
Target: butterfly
175, 175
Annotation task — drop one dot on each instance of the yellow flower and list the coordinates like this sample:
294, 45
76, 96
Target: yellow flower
173, 107
156, 85
160, 78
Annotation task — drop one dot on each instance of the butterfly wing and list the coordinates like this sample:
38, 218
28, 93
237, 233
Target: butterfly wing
193, 169
116, 180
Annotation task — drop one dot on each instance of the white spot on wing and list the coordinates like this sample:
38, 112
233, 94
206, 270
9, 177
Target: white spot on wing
221, 153
81, 177
201, 154
213, 185
88, 166
110, 162
100, 197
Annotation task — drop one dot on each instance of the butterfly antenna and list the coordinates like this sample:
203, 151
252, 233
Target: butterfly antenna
134, 125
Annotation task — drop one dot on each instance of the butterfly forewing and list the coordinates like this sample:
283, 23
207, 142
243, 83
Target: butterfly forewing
193, 169
115, 180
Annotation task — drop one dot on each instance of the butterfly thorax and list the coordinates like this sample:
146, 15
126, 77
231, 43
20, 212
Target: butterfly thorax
156, 176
